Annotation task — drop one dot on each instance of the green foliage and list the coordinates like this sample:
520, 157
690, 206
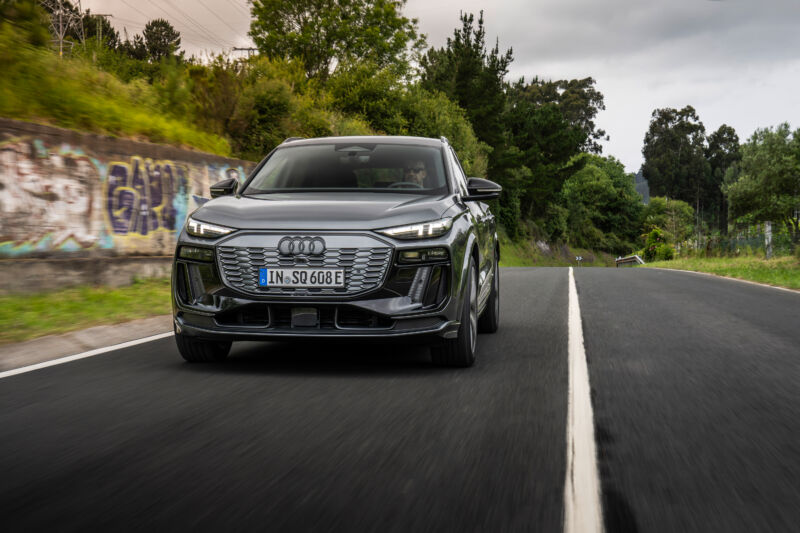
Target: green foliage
578, 102
370, 92
37, 85
174, 89
135, 49
556, 222
604, 209
473, 77
27, 316
656, 247
327, 34
767, 187
674, 217
23, 19
722, 153
779, 271
161, 39
216, 89
432, 114
675, 164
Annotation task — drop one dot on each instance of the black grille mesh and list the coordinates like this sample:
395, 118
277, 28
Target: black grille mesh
364, 269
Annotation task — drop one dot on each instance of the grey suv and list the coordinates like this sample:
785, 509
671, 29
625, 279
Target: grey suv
380, 238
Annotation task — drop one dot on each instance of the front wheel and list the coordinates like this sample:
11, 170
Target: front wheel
197, 350
460, 352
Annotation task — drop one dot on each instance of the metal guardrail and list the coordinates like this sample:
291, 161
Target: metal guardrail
630, 260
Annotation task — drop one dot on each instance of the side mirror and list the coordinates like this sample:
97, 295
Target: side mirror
481, 189
224, 188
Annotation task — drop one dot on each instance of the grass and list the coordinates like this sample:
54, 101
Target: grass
778, 271
37, 86
526, 253
27, 316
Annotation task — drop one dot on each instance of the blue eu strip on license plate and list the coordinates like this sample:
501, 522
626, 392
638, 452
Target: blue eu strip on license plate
263, 278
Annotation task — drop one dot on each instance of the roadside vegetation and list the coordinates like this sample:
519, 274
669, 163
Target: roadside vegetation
778, 271
27, 316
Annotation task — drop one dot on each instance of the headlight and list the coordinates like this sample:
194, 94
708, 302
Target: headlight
204, 229
424, 230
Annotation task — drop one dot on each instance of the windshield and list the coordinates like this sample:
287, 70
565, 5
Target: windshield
372, 167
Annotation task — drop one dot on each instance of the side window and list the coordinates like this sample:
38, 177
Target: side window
461, 180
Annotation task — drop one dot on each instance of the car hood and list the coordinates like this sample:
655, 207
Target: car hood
317, 211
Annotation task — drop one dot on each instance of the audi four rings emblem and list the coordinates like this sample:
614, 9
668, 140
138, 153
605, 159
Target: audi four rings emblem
301, 246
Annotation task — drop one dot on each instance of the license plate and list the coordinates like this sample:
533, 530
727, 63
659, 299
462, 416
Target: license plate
302, 278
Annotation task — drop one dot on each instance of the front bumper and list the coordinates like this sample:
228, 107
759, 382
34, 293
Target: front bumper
421, 330
206, 304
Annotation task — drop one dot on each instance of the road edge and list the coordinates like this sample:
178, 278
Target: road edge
84, 355
786, 289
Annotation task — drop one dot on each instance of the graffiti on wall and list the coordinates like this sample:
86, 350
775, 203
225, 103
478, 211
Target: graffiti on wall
47, 197
61, 199
145, 196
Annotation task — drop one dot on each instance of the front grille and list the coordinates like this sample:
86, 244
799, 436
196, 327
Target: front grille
365, 268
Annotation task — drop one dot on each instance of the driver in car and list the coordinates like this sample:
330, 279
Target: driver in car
415, 172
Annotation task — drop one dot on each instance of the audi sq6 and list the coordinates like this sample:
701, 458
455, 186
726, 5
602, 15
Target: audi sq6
357, 238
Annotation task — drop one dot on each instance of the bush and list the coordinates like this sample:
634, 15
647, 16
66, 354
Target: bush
70, 92
656, 247
664, 252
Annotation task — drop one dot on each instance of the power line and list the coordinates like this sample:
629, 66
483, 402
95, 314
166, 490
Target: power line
198, 40
234, 30
189, 18
239, 7
202, 33
62, 19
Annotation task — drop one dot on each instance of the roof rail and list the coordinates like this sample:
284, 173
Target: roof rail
290, 139
444, 139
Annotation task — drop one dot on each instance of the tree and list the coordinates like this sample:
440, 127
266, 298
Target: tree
722, 153
577, 100
768, 187
675, 164
604, 208
363, 89
327, 34
432, 114
473, 77
544, 140
161, 39
136, 49
675, 217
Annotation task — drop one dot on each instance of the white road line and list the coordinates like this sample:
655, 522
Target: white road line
719, 276
84, 355
582, 510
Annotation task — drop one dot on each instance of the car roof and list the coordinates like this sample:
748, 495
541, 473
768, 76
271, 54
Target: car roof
382, 139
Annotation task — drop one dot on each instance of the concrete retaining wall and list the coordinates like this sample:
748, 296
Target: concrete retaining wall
82, 208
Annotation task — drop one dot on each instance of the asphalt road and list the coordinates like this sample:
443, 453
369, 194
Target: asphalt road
695, 386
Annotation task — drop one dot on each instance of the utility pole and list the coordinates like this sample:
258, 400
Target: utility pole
250, 51
100, 26
62, 19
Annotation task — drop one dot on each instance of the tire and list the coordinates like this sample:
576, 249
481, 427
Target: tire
197, 350
490, 319
460, 352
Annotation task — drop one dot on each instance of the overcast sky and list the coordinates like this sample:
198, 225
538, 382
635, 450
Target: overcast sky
736, 61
